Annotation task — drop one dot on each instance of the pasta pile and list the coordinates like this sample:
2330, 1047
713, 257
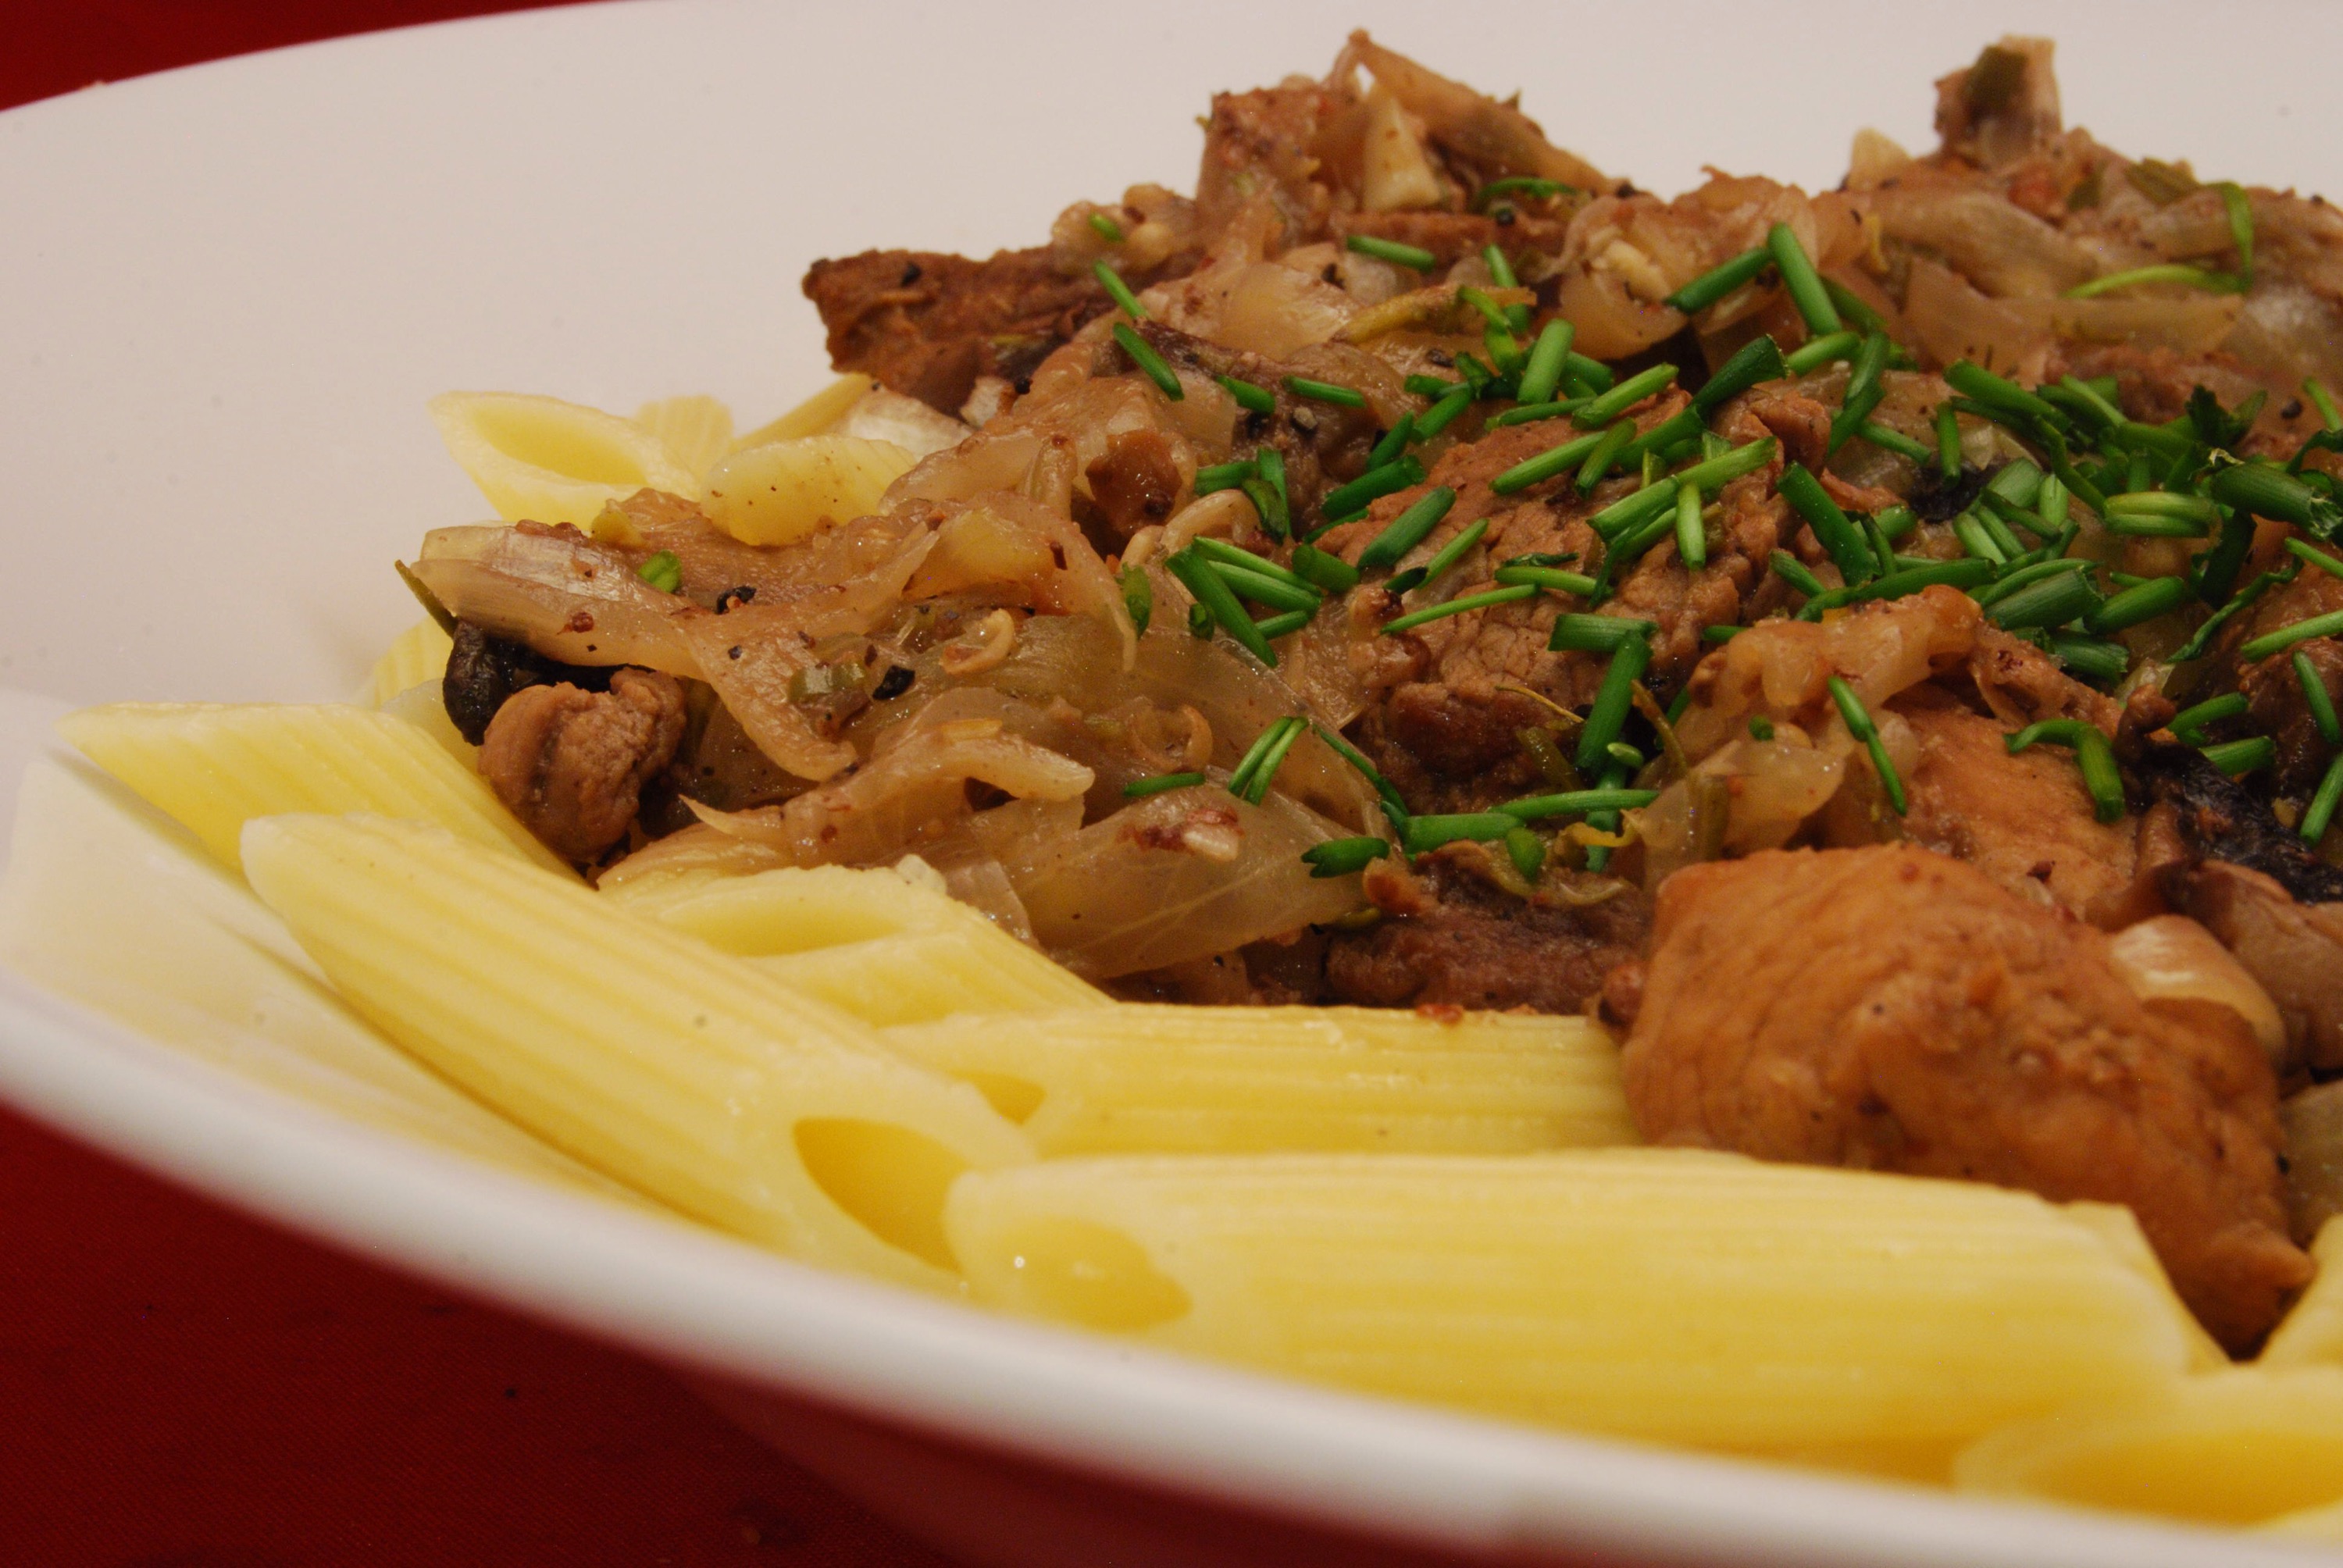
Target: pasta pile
850, 1067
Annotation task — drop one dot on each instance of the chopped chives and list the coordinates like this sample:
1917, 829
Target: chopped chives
1413, 256
1326, 392
1577, 366
1426, 833
663, 571
1948, 442
1394, 441
1471, 601
1138, 597
2189, 723
1341, 857
1714, 473
2018, 577
1241, 777
1548, 578
1106, 229
1608, 407
2285, 636
1276, 625
1531, 413
1631, 511
1691, 539
1262, 588
1527, 851
1224, 476
1504, 350
1663, 439
2239, 757
1118, 290
2316, 557
2169, 272
1894, 441
1975, 541
1429, 386
1280, 736
1856, 314
1830, 525
1408, 529
1966, 573
2268, 491
1574, 802
1452, 552
1998, 532
1598, 856
1791, 570
2322, 804
1324, 569
2328, 415
2314, 697
1491, 311
2156, 596
1997, 395
1798, 275
2050, 502
2090, 657
1611, 700
1543, 371
1147, 359
1201, 622
2146, 526
1500, 271
1347, 501
1545, 465
1606, 453
1272, 464
1195, 573
1253, 399
1357, 759
1883, 554
1719, 281
1863, 389
1759, 359
1581, 633
1625, 755
1859, 725
1527, 185
1139, 788
1268, 502
2105, 410
1721, 633
2093, 756
1442, 413
1816, 352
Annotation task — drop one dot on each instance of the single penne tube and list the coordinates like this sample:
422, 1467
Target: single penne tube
414, 655
676, 1069
812, 416
1671, 1295
1143, 1078
2311, 1333
549, 461
697, 429
2246, 1446
871, 941
2324, 1523
213, 766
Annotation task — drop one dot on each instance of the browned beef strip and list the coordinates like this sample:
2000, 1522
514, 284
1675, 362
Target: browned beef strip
928, 325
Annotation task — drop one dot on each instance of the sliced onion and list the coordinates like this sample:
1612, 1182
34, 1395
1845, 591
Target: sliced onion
558, 592
2173, 957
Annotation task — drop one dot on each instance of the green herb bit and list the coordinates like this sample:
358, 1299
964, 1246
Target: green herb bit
663, 571
1859, 725
1269, 506
1407, 530
1531, 413
2238, 757
1253, 399
2189, 723
1440, 565
2169, 272
1977, 541
1621, 517
1663, 439
2322, 804
2203, 636
1144, 356
1852, 308
1721, 634
1816, 352
1525, 185
1545, 466
1837, 536
2093, 755
1285, 625
1791, 570
1195, 573
1611, 700
1990, 519
1512, 595
2108, 415
1413, 256
1719, 281
1286, 732
1606, 453
1760, 727
1214, 476
1324, 569
1430, 387
1609, 405
1139, 788
1692, 539
1201, 622
1491, 311
1805, 283
1118, 290
2156, 596
1711, 474
1344, 857
1264, 589
2267, 490
2285, 636
2328, 415
1625, 755
1527, 851
1578, 802
1347, 501
1442, 413
1582, 633
2017, 482
1106, 229
1423, 834
1948, 443
1997, 396
2090, 657
1393, 442
2160, 514
1966, 573
1547, 577
1504, 351
1357, 759
2316, 697
1241, 777
1758, 360
1138, 597
2316, 557
1541, 373
1500, 271
1577, 366
1894, 441
1864, 390
1326, 392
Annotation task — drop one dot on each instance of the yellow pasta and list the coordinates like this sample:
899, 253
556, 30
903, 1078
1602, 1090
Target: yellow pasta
676, 1069
554, 462
1881, 1321
869, 941
2311, 1334
2238, 1447
213, 766
697, 429
417, 655
1153, 1079
783, 491
812, 416
2324, 1523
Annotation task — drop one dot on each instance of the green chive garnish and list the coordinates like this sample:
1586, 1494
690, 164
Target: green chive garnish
1977, 541
663, 571
1691, 539
1816, 352
1500, 271
1542, 372
2328, 624
1548, 578
1106, 229
1577, 803
1997, 395
1393, 442
1269, 503
2267, 490
2318, 558
1408, 255
1531, 413
1253, 399
1759, 728
1347, 501
1527, 852
2328, 415
1280, 736
1138, 597
1607, 452
1895, 522
1471, 601
1139, 788
1342, 857
1894, 441
1863, 389
1792, 570
2314, 697
1423, 834
1852, 308
1596, 633
1711, 474
1264, 589
1721, 634
2189, 723
1630, 512
1201, 622
1798, 275
1671, 433
1602, 410
1118, 290
1611, 700
1214, 476
1256, 756
1948, 442
1719, 281
2090, 657
1437, 417
1759, 359
1859, 725
1407, 530
1577, 366
1196, 574
1836, 535
1440, 565
1322, 569
1429, 387
1357, 759
2322, 804
2093, 755
2238, 757
1285, 625
2161, 514
1148, 360
1326, 392
2170, 272
1545, 465
2156, 596
1527, 185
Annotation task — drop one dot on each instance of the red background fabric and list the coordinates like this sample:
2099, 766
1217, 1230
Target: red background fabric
183, 1387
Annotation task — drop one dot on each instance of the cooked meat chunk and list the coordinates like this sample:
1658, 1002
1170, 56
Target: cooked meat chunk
928, 325
484, 670
2280, 709
1449, 937
572, 764
1891, 1008
2294, 951
1136, 482
2217, 819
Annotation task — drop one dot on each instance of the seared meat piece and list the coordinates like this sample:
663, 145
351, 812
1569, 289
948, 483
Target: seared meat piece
928, 325
572, 764
486, 669
1449, 938
1137, 482
2218, 819
1890, 1009
2279, 708
2294, 951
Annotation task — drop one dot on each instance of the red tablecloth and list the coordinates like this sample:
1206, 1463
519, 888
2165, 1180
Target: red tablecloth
182, 1387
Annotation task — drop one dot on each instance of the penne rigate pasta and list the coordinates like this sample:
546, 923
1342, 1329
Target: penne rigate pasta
215, 766
681, 1071
2324, 1523
2311, 1333
2238, 1447
1166, 1078
697, 429
548, 461
417, 655
812, 416
1677, 1296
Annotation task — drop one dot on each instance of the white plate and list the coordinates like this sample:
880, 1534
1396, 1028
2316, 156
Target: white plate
227, 292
